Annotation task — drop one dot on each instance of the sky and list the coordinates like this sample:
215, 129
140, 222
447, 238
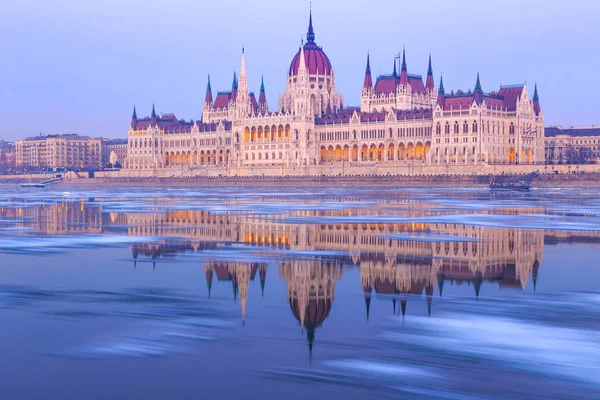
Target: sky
80, 66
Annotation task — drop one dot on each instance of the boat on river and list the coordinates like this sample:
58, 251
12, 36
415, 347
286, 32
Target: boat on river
511, 182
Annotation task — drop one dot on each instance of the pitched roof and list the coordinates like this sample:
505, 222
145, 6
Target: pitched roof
386, 84
222, 100
416, 84
510, 95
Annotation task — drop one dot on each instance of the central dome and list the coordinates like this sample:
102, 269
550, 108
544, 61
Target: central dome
315, 58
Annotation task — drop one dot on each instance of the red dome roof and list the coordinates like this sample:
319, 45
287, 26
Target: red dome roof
315, 58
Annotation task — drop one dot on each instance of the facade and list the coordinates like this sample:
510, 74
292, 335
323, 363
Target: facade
7, 157
575, 145
69, 151
401, 120
114, 150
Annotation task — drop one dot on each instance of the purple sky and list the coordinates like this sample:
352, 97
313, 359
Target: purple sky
80, 66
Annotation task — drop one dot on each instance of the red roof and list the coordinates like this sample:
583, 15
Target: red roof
462, 102
511, 94
253, 102
222, 100
315, 59
386, 84
416, 84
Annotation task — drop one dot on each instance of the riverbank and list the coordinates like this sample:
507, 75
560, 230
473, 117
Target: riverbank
582, 180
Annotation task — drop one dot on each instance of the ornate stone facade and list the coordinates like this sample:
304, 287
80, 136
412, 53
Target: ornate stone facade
401, 121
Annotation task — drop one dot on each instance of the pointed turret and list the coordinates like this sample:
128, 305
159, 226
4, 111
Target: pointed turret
536, 101
153, 116
478, 92
262, 98
208, 99
429, 84
234, 86
395, 73
368, 83
133, 118
403, 70
302, 63
441, 96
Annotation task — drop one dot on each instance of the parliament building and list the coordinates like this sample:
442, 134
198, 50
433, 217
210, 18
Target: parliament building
403, 122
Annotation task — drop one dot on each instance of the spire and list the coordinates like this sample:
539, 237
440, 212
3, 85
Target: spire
395, 73
262, 98
302, 63
208, 99
441, 96
243, 66
234, 86
403, 70
429, 69
478, 91
368, 83
478, 84
536, 101
429, 84
153, 116
310, 35
133, 118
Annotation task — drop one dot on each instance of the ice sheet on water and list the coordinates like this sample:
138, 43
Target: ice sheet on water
51, 244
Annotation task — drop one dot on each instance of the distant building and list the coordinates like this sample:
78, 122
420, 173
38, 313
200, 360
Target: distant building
7, 157
574, 145
69, 151
116, 146
402, 119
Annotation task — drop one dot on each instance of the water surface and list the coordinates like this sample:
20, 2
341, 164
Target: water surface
325, 293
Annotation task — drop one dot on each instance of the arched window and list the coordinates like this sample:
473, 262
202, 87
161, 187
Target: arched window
465, 127
474, 126
456, 127
447, 128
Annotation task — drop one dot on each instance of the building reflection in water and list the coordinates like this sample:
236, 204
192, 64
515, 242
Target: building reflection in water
310, 292
393, 264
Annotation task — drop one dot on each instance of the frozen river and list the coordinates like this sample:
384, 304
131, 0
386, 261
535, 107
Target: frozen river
311, 293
